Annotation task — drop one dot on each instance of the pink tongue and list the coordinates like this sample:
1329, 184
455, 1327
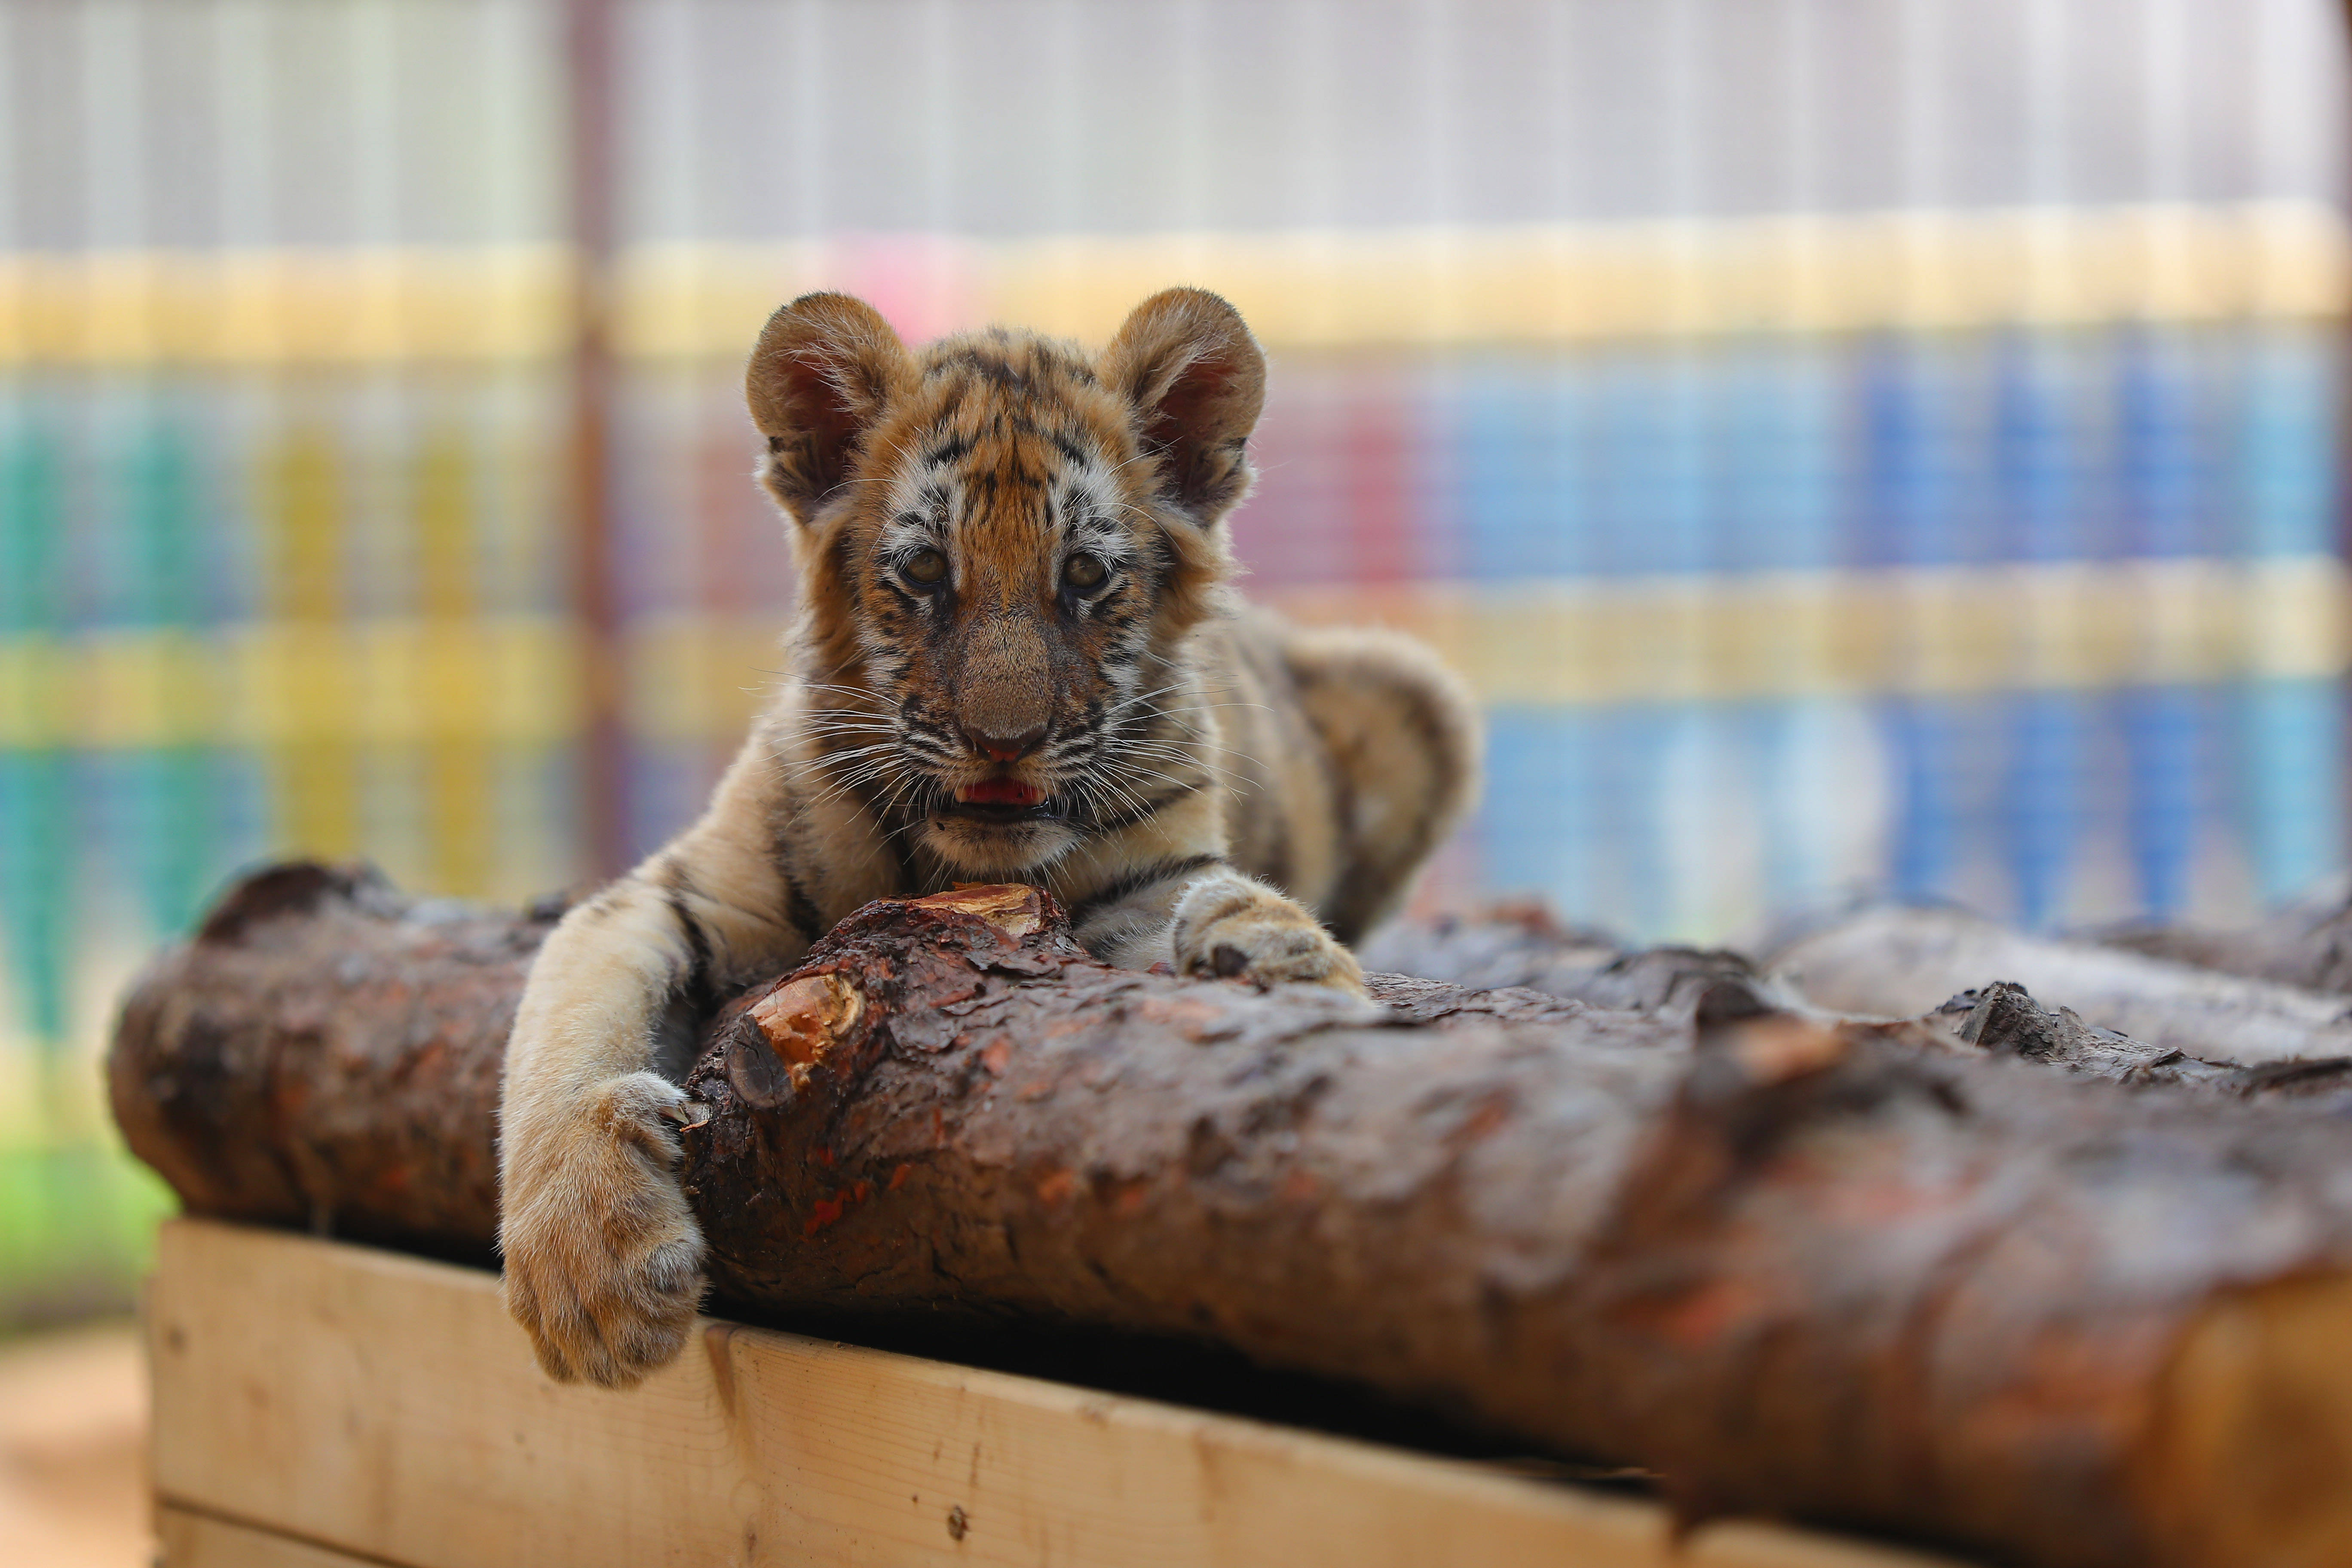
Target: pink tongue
1001, 792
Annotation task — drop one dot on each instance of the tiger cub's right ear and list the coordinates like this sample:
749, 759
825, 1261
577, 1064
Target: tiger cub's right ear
826, 367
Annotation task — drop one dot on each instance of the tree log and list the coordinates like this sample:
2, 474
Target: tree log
1521, 946
1898, 962
2004, 1019
2308, 944
325, 1053
1843, 1271
2250, 1004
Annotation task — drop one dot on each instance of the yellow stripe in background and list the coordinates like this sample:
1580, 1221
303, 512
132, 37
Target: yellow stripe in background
403, 682
1926, 631
457, 783
229, 309
692, 680
698, 679
1324, 289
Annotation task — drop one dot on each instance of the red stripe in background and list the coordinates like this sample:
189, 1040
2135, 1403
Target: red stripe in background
1341, 462
1388, 455
1379, 463
1278, 531
720, 468
744, 567
746, 559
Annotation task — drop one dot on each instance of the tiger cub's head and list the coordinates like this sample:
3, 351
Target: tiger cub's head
1004, 543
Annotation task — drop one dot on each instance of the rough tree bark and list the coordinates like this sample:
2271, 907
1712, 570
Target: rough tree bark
2307, 944
325, 1053
1843, 1271
1896, 961
2002, 1018
2249, 1001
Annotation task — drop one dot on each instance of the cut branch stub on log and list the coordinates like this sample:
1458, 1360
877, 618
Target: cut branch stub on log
1840, 1271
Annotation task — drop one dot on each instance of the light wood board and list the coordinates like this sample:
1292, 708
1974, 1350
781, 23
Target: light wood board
187, 1540
382, 1406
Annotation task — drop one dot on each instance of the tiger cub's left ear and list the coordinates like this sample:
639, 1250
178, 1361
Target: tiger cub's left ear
1187, 363
826, 368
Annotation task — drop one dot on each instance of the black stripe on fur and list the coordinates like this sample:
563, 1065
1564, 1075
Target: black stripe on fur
1136, 881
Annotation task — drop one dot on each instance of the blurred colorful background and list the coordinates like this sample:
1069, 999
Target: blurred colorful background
1848, 444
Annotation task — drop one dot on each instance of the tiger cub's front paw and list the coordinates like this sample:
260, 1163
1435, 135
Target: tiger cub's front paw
604, 1259
1239, 929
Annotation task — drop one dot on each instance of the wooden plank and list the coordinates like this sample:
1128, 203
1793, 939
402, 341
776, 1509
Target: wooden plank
384, 1404
186, 1539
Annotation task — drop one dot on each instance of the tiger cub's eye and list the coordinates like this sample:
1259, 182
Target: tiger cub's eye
926, 568
1085, 571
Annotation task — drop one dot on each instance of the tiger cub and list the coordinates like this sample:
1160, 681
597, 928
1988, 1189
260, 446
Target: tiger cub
1015, 658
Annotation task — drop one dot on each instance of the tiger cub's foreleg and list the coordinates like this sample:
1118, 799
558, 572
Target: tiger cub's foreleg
604, 1259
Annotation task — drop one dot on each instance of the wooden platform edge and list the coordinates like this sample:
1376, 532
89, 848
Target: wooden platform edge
318, 1403
186, 1538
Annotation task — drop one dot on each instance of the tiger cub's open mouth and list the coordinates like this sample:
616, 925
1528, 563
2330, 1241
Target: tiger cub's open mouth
1000, 800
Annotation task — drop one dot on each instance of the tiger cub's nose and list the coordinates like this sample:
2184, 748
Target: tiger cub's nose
1004, 748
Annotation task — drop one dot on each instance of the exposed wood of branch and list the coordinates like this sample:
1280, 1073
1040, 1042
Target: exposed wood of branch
1836, 1271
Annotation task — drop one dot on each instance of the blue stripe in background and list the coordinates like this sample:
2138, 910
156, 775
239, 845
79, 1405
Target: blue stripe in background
1630, 745
2035, 439
1650, 463
2042, 802
1539, 821
170, 829
2290, 732
1908, 512
1783, 460
2166, 731
2163, 442
1924, 848
2291, 772
1520, 469
1780, 458
2043, 806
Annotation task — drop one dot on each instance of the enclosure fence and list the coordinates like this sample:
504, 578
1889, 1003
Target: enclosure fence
1844, 445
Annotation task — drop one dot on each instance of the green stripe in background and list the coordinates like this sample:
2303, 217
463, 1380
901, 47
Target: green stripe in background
77, 1213
77, 1230
35, 870
174, 829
